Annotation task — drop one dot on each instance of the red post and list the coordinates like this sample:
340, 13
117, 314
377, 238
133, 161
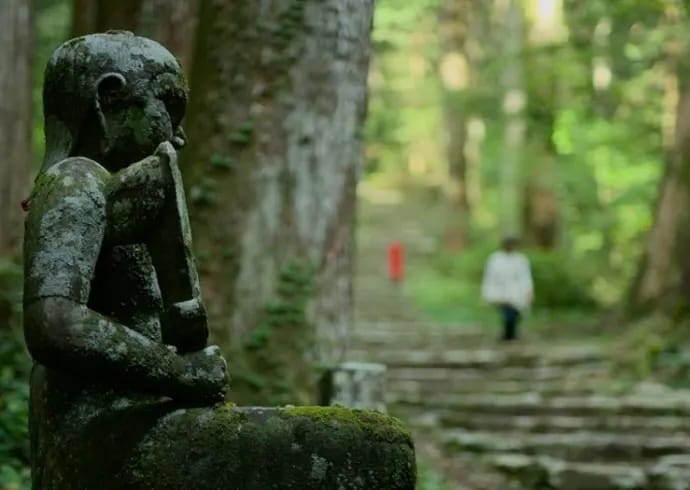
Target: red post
396, 262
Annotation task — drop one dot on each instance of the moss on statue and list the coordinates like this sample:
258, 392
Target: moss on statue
376, 424
291, 448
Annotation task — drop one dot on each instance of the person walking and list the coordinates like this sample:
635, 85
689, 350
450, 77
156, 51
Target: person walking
508, 285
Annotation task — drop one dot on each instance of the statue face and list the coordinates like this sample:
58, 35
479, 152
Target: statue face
113, 97
140, 112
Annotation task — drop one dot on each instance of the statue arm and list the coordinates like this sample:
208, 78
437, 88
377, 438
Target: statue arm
184, 321
64, 233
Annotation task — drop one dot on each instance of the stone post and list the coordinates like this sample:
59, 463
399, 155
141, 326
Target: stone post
355, 385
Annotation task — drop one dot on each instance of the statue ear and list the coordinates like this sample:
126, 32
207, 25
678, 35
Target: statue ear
109, 89
108, 93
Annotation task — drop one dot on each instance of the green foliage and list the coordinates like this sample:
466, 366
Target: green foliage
222, 162
294, 289
243, 135
655, 347
430, 479
204, 193
447, 287
645, 346
15, 367
598, 150
560, 282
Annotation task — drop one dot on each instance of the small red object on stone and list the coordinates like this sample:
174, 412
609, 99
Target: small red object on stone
25, 204
396, 262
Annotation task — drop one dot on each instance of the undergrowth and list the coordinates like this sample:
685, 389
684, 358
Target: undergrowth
14, 384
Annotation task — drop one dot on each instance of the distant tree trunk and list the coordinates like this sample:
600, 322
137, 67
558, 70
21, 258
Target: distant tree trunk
16, 46
173, 24
480, 43
170, 22
663, 280
455, 77
90, 16
514, 102
541, 216
546, 35
279, 99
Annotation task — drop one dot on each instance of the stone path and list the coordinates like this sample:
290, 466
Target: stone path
547, 413
541, 414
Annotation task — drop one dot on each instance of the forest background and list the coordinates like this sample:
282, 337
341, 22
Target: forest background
565, 122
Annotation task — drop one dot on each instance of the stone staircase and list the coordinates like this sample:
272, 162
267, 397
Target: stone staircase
540, 414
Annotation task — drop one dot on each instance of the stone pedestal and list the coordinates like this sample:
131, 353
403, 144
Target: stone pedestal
238, 448
356, 385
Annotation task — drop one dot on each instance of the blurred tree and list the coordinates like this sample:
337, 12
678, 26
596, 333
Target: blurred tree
510, 22
170, 22
16, 52
90, 16
279, 99
173, 24
663, 280
454, 68
545, 86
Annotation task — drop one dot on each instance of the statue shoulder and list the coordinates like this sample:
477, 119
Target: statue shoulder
74, 177
78, 167
64, 230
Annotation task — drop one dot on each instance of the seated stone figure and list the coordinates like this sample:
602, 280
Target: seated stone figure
125, 392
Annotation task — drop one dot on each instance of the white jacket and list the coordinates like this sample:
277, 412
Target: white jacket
508, 280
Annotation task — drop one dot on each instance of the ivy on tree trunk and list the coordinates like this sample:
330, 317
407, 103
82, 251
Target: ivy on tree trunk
279, 97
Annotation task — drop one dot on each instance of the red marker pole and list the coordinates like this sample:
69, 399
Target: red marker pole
396, 262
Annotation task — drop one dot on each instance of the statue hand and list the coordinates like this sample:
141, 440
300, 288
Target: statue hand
166, 152
185, 325
206, 378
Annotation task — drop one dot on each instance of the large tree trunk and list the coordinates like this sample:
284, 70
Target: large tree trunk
170, 22
541, 217
90, 16
173, 24
514, 103
547, 34
663, 280
279, 99
455, 77
16, 45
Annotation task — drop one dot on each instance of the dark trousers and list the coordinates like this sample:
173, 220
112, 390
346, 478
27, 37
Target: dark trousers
511, 319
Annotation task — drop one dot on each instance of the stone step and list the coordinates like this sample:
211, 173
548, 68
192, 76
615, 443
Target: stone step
532, 403
592, 370
647, 425
548, 472
373, 335
581, 446
548, 380
489, 384
670, 473
481, 357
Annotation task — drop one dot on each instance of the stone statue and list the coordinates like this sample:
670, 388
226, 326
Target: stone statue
125, 392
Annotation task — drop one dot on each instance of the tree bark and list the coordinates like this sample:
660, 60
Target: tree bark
173, 24
663, 280
280, 93
170, 22
541, 216
89, 16
455, 76
16, 46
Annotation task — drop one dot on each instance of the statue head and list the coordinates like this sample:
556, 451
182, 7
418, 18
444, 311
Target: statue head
112, 97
